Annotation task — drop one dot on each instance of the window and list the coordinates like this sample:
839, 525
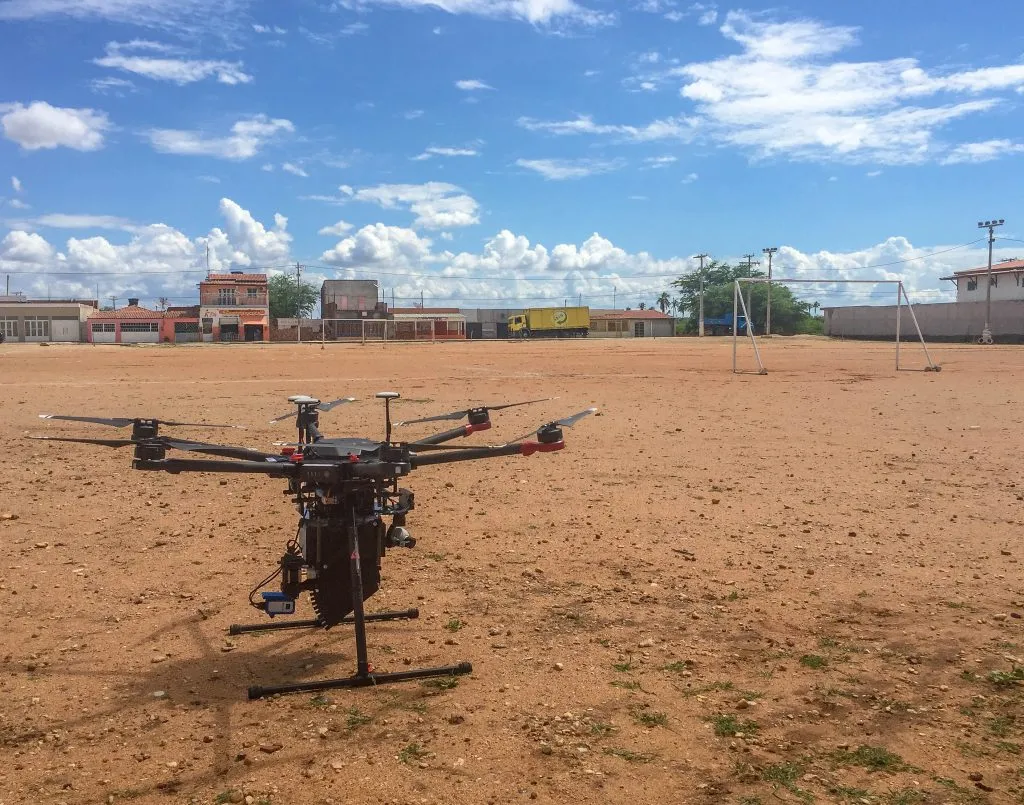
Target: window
207, 326
9, 327
251, 293
226, 296
37, 328
139, 327
972, 283
103, 327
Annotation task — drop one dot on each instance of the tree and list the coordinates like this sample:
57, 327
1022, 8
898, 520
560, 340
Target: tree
643, 305
664, 301
789, 314
287, 297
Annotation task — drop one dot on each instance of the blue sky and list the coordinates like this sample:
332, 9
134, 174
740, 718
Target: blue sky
480, 150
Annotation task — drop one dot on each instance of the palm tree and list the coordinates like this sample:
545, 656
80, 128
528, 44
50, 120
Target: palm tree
664, 301
643, 305
816, 305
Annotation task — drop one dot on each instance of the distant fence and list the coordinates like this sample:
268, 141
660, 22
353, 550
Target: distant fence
942, 321
370, 330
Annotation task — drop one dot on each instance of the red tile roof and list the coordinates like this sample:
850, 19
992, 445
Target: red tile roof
243, 278
1008, 265
128, 312
631, 314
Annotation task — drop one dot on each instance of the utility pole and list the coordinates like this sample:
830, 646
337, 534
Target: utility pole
614, 289
8, 285
750, 263
986, 334
700, 313
770, 250
298, 303
421, 300
113, 302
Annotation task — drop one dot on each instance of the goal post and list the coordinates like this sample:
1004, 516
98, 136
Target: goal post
739, 304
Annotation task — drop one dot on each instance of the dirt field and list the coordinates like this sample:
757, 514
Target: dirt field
727, 589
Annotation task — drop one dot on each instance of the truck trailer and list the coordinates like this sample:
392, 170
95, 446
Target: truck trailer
550, 322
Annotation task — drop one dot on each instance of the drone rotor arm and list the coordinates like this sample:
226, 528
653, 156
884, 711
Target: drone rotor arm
82, 440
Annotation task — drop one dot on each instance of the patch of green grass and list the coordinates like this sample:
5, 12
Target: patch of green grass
784, 774
629, 756
726, 725
955, 604
1007, 746
733, 596
625, 684
319, 701
355, 719
224, 796
601, 728
437, 557
411, 753
750, 801
129, 793
964, 795
828, 642
815, 661
1004, 679
454, 625
969, 676
650, 718
623, 667
1000, 726
872, 758
441, 683
604, 641
906, 796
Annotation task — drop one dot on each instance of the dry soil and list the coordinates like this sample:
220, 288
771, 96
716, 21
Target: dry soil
801, 587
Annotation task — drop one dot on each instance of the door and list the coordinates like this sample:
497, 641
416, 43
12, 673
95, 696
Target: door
103, 332
474, 329
65, 330
254, 332
140, 332
638, 329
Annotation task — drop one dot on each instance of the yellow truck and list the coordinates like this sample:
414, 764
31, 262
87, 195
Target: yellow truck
550, 322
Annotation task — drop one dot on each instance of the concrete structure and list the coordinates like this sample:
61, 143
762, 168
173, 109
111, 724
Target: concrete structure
234, 307
182, 324
131, 324
488, 322
34, 321
632, 324
1007, 282
949, 321
427, 324
351, 299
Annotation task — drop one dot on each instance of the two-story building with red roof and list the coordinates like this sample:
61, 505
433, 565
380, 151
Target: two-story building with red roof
234, 307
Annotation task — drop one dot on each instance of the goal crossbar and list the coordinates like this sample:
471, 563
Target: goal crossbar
739, 303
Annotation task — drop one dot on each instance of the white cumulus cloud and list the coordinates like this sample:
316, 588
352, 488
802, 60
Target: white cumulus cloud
445, 152
294, 169
436, 205
537, 12
338, 229
671, 128
982, 151
472, 84
41, 126
246, 140
16, 184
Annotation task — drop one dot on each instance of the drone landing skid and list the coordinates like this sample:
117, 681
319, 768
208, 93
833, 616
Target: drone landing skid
244, 628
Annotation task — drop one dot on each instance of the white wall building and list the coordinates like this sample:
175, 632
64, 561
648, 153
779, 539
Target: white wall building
1007, 282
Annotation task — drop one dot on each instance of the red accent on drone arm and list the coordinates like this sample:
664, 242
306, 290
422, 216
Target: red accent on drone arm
455, 433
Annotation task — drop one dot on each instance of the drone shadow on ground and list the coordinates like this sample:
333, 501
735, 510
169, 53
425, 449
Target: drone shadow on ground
213, 682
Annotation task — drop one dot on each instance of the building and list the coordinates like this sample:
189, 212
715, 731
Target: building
234, 307
34, 321
488, 322
183, 324
631, 324
351, 299
131, 324
427, 324
1007, 282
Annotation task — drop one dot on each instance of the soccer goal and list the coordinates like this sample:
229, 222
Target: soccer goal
740, 307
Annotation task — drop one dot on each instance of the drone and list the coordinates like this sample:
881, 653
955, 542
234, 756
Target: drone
351, 508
